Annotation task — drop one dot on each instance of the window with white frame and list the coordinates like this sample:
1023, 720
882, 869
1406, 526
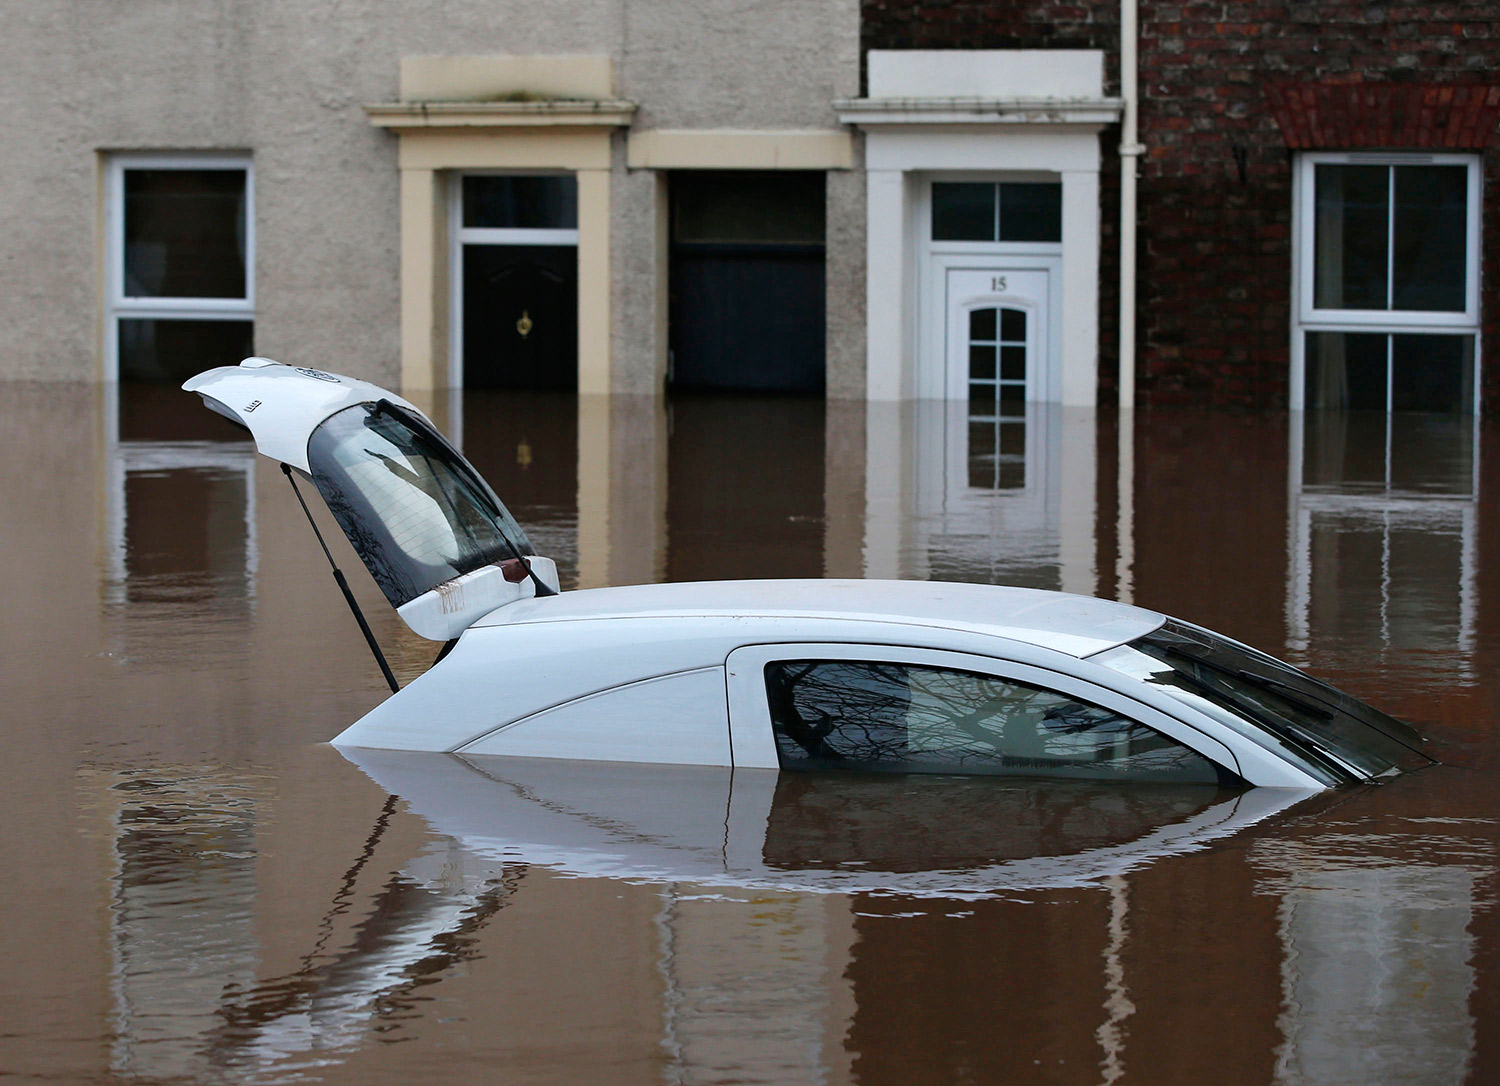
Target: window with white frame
1387, 282
180, 265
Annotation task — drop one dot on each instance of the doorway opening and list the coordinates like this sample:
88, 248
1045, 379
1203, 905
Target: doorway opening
746, 307
516, 282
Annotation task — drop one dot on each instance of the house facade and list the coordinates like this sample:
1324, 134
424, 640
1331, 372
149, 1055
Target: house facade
884, 200
472, 193
1313, 221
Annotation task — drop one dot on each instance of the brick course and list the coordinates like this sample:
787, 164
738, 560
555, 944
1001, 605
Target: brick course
1216, 183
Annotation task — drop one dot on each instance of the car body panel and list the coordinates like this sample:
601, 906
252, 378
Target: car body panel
448, 609
501, 675
502, 672
282, 405
678, 719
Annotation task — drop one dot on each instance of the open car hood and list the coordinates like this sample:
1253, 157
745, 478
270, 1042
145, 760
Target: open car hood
426, 525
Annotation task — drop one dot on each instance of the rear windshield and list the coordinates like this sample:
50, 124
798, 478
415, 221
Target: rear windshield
1332, 735
417, 513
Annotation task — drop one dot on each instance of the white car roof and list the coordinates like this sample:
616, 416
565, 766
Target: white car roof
1076, 625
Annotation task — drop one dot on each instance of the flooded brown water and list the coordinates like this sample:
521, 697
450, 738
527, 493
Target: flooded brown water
198, 889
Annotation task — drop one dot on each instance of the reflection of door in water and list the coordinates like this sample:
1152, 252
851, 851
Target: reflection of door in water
520, 313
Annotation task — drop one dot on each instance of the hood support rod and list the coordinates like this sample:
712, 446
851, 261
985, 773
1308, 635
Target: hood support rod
338, 576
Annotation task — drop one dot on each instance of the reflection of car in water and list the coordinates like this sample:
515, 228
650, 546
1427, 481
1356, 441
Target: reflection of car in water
898, 676
811, 832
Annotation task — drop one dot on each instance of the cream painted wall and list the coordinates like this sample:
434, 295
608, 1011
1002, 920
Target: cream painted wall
286, 80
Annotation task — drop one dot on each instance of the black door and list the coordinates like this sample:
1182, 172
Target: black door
520, 324
747, 280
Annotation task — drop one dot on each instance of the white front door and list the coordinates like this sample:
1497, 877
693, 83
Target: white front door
997, 338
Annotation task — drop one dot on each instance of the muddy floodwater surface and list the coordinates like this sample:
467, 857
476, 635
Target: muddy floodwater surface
199, 889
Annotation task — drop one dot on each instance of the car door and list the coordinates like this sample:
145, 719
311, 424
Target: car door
896, 709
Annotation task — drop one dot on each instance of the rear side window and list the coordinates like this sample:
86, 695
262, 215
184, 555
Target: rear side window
870, 715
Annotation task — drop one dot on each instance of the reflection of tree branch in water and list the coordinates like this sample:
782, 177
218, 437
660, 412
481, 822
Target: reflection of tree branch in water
367, 979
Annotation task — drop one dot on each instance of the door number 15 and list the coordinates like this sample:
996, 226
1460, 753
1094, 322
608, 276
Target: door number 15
997, 284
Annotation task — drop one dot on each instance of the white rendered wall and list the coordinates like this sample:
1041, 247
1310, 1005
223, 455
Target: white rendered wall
986, 73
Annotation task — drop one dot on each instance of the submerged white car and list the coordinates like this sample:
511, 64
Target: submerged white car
895, 676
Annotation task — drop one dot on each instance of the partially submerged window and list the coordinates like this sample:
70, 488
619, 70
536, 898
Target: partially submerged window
417, 513
180, 264
838, 714
1388, 281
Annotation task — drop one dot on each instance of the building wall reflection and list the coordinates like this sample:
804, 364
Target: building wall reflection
1376, 962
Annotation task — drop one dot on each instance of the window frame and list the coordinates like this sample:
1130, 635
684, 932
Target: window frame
120, 306
1314, 319
1308, 318
753, 742
922, 224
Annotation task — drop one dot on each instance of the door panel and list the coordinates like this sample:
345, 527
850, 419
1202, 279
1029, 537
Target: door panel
520, 316
746, 283
1019, 299
745, 319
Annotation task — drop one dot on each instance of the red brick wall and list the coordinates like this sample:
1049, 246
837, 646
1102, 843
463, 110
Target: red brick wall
1216, 183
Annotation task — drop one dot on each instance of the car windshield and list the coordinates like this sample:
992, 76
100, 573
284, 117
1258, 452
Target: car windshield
1325, 731
417, 513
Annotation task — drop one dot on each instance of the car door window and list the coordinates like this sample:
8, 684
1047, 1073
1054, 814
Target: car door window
873, 715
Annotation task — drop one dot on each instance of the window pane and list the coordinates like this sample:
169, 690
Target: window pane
1345, 371
1013, 325
911, 719
982, 324
1433, 454
1013, 363
1350, 251
1432, 373
184, 234
1344, 451
1030, 212
749, 207
1013, 401
1013, 440
1430, 264
982, 363
172, 351
521, 203
982, 402
981, 459
963, 211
